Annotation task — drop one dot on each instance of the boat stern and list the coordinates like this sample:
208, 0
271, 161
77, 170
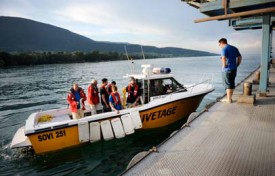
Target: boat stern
20, 140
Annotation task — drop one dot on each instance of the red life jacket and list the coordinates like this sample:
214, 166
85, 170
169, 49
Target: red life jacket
135, 90
104, 87
116, 98
93, 97
109, 88
71, 99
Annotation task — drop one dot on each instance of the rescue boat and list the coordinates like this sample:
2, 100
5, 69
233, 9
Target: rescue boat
163, 101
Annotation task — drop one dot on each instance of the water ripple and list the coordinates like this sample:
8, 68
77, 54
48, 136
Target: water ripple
26, 105
24, 90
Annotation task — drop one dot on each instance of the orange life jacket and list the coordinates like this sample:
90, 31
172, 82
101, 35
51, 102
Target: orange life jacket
104, 87
135, 90
109, 88
116, 98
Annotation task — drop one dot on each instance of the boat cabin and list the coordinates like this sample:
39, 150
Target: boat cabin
154, 84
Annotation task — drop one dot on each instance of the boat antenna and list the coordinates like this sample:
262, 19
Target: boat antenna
131, 60
142, 52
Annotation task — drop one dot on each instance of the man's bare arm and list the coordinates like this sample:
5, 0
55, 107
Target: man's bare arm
239, 60
223, 61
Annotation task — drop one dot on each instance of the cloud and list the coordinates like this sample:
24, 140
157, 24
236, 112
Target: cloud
111, 20
10, 8
248, 40
160, 23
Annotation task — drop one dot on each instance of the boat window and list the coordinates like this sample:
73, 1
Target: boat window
157, 87
165, 86
145, 94
140, 85
174, 86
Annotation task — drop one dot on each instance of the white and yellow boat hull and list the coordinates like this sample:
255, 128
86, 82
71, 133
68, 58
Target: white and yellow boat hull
154, 117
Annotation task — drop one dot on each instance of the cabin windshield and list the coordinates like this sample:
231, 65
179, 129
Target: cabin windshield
156, 87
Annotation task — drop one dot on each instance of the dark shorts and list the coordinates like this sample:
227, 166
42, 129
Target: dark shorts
228, 77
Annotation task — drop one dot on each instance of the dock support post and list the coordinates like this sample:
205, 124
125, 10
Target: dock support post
271, 49
265, 55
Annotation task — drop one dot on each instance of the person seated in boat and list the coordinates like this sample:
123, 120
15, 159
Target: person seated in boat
134, 93
114, 100
93, 97
105, 95
109, 87
76, 98
157, 87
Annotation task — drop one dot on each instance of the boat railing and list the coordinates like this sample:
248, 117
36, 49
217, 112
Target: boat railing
206, 79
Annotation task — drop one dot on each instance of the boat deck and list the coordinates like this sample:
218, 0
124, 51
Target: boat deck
60, 118
228, 139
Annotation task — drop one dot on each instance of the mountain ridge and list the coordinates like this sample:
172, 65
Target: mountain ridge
25, 35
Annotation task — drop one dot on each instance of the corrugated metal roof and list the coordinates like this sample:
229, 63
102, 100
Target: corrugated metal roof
238, 11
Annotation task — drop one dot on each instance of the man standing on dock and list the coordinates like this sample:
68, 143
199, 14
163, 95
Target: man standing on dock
231, 59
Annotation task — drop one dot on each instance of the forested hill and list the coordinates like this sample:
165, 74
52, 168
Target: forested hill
24, 35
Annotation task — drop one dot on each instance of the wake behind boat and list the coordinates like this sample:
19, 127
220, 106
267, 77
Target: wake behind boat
163, 101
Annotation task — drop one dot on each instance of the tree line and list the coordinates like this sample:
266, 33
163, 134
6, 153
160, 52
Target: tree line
37, 58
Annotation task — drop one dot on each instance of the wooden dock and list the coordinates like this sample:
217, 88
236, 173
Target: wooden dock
228, 139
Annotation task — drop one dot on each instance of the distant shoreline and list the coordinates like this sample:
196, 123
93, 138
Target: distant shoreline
46, 58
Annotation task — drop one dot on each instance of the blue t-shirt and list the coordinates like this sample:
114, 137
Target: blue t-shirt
231, 53
117, 106
77, 97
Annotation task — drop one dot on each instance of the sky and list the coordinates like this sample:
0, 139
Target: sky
161, 23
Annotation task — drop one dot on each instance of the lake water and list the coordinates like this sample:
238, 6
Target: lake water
25, 90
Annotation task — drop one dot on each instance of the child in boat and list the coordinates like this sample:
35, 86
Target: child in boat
114, 100
109, 87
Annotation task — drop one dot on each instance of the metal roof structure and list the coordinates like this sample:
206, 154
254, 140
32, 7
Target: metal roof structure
228, 9
243, 15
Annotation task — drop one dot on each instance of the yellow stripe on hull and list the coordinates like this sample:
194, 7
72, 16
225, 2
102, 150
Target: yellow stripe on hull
54, 140
152, 118
169, 113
